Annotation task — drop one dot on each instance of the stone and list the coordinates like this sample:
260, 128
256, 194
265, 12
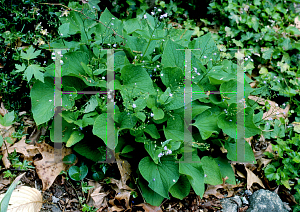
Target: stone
266, 201
231, 204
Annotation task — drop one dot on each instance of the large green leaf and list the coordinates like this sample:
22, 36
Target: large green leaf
152, 131
42, 95
172, 57
150, 196
72, 64
181, 188
175, 128
226, 170
136, 81
161, 177
212, 171
194, 173
112, 22
250, 128
100, 130
171, 76
232, 152
207, 48
206, 123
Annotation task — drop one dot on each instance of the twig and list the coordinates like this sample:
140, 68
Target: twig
58, 4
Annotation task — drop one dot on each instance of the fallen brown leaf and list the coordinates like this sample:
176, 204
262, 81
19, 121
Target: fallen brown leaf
150, 208
47, 169
274, 112
252, 178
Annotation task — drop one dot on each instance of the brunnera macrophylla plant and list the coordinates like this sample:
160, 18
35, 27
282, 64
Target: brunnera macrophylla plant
149, 99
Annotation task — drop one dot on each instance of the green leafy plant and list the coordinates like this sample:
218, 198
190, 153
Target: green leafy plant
149, 121
284, 169
149, 87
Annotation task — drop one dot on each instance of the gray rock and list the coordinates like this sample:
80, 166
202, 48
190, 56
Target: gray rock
231, 204
265, 201
245, 201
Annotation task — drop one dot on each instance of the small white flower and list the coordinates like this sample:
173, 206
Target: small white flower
160, 155
112, 23
275, 77
50, 100
157, 66
210, 59
153, 179
205, 175
134, 106
151, 114
109, 96
230, 120
112, 18
159, 10
249, 57
152, 13
169, 151
246, 58
270, 119
103, 77
162, 75
277, 113
251, 60
115, 45
265, 82
276, 105
283, 104
170, 95
278, 80
215, 53
267, 124
165, 148
94, 7
204, 56
145, 16
195, 69
198, 73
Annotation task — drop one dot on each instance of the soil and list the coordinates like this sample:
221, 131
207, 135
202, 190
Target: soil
63, 197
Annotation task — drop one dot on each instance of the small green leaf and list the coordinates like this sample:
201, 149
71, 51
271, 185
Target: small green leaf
77, 173
158, 113
30, 54
74, 138
69, 159
8, 119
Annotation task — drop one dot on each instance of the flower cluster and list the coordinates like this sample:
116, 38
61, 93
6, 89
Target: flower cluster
167, 152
